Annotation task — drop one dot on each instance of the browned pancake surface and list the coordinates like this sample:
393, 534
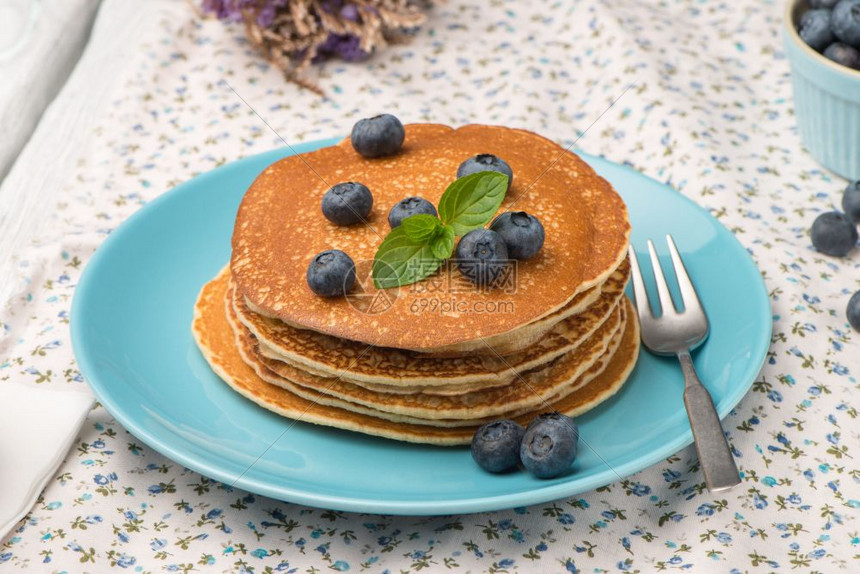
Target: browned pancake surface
215, 337
280, 227
330, 356
524, 391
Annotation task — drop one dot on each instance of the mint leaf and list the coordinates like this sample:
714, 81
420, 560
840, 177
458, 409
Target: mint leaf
401, 260
442, 244
471, 201
416, 249
421, 228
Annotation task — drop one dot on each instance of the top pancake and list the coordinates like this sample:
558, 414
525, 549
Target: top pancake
280, 227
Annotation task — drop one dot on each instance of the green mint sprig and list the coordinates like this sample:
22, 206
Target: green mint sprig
415, 249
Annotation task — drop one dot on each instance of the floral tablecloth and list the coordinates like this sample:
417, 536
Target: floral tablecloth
705, 105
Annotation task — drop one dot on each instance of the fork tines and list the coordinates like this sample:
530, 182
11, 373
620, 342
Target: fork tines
689, 298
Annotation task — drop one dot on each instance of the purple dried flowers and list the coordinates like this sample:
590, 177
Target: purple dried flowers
293, 33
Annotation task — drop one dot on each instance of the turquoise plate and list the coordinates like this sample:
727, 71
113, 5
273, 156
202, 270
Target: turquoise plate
131, 319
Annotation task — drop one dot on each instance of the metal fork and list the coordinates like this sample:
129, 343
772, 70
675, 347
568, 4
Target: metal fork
678, 333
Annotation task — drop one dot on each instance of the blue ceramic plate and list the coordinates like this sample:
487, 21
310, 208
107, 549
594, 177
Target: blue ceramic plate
131, 321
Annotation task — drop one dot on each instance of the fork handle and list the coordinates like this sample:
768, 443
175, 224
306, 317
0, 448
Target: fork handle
715, 458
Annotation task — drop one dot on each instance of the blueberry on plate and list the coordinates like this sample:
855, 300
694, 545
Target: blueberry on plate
523, 233
851, 201
482, 257
845, 22
347, 203
815, 30
378, 136
407, 208
823, 3
834, 233
496, 445
853, 311
843, 54
555, 417
486, 162
331, 273
549, 445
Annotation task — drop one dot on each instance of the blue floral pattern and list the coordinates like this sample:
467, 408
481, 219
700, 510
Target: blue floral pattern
702, 101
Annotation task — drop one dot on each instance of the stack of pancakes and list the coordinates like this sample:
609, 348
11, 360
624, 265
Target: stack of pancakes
562, 336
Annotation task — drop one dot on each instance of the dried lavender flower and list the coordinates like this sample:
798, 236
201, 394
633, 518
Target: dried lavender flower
292, 34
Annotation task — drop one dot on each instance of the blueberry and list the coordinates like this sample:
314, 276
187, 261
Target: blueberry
347, 203
331, 273
853, 311
851, 201
549, 445
845, 22
378, 136
823, 3
407, 208
834, 233
486, 162
523, 233
810, 15
815, 30
554, 417
843, 54
496, 445
482, 257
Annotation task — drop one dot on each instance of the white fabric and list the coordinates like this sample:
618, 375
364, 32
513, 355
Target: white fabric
37, 427
30, 76
40, 42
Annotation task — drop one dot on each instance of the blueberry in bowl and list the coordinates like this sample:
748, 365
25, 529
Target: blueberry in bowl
482, 257
523, 233
496, 445
815, 29
347, 203
486, 162
811, 15
378, 136
331, 273
407, 208
845, 22
843, 54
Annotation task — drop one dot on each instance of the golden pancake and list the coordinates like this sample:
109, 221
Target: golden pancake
613, 377
248, 350
526, 391
215, 338
503, 344
328, 356
280, 227
524, 394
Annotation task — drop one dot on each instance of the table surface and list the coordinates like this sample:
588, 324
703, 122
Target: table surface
40, 42
702, 101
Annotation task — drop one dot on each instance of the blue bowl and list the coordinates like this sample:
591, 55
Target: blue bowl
826, 100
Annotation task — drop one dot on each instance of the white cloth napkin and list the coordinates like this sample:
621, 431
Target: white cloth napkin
37, 427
